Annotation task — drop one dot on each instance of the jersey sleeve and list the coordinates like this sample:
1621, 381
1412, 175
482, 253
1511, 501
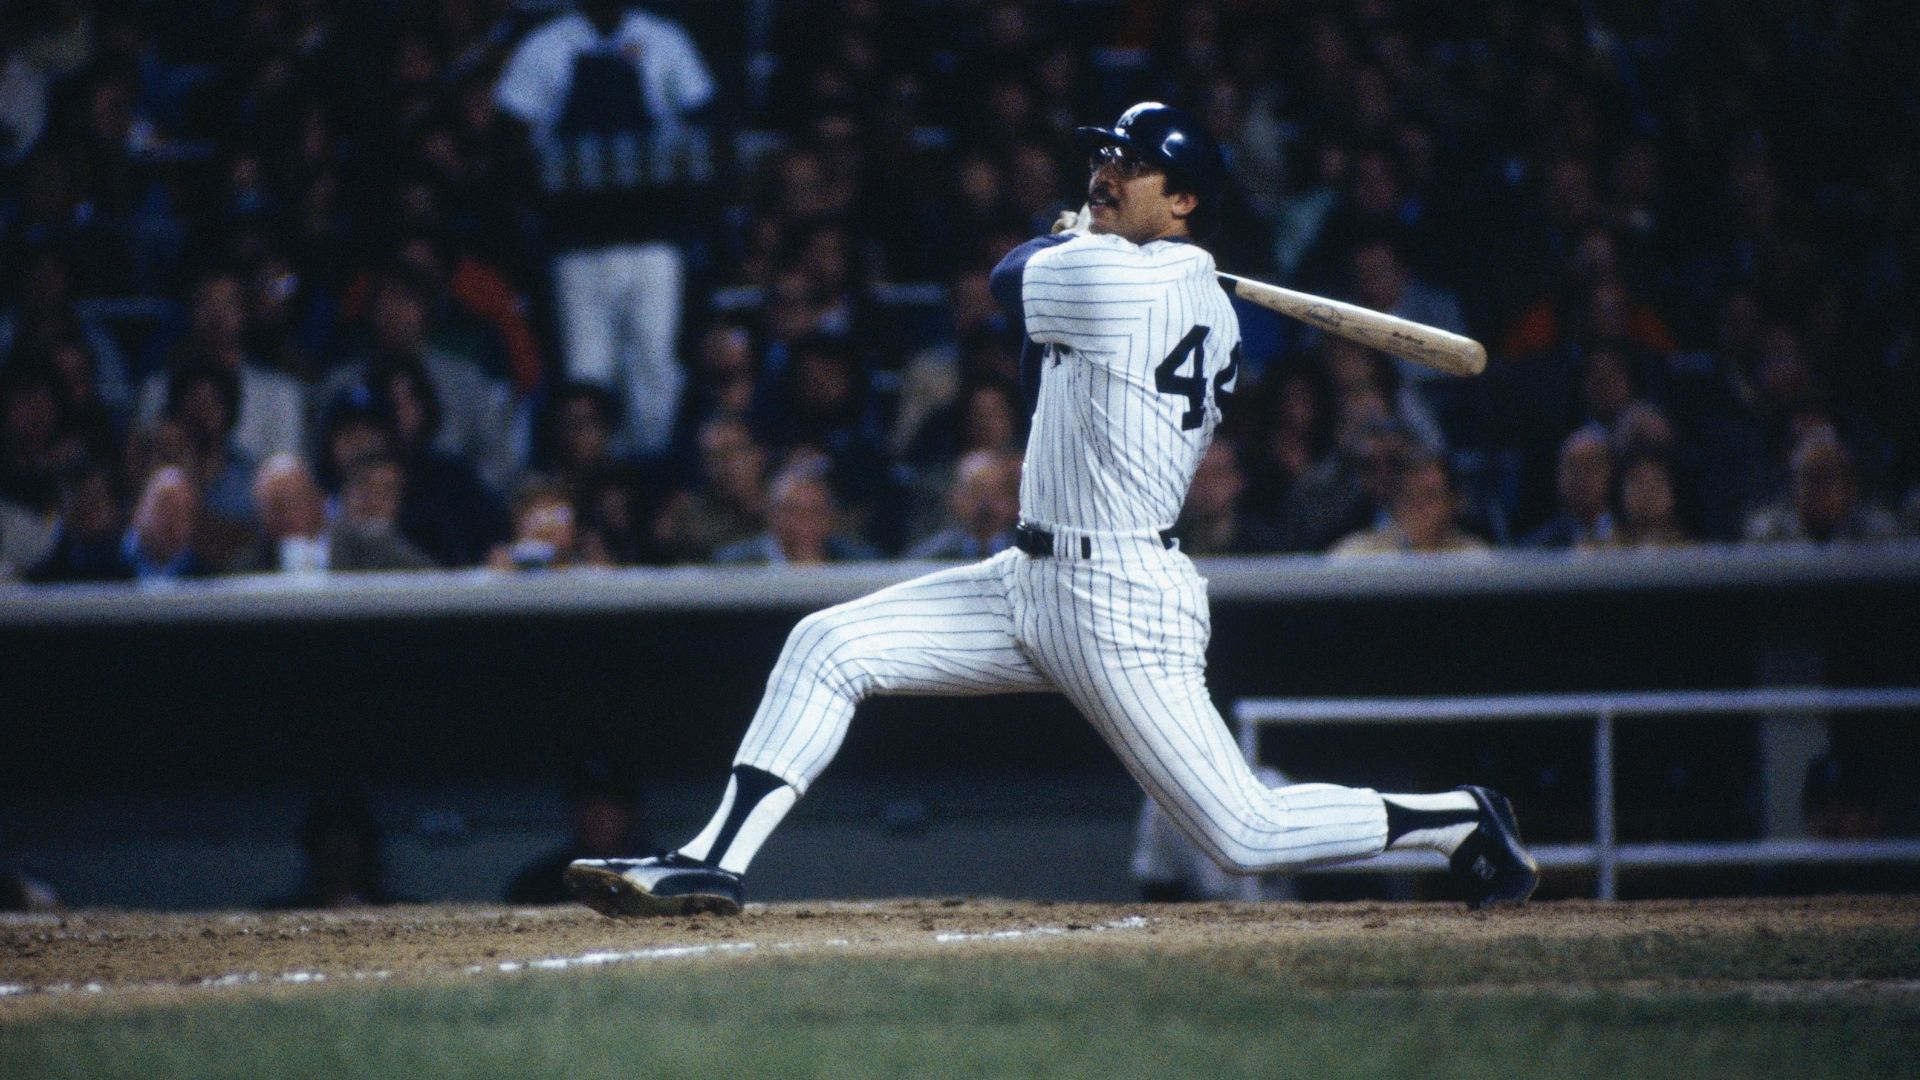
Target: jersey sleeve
1087, 294
689, 86
1007, 282
533, 83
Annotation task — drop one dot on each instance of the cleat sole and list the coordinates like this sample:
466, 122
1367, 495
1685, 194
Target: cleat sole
612, 895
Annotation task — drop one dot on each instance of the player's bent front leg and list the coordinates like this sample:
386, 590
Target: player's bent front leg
945, 633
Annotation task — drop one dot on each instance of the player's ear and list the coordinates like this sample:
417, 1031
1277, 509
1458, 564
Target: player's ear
1184, 204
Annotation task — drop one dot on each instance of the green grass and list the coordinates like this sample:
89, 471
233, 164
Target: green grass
1324, 1010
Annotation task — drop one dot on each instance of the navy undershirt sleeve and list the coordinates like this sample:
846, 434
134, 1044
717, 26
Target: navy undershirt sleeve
1005, 284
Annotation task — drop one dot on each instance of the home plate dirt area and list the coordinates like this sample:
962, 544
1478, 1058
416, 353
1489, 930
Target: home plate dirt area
99, 959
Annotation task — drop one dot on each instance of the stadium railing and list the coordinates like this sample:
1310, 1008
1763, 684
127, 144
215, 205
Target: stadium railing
1606, 855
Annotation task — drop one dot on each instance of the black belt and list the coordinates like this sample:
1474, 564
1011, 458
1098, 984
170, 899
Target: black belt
1039, 542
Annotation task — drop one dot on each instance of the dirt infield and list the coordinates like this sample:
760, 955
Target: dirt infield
99, 959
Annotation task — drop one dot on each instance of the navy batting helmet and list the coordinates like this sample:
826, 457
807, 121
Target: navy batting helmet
1172, 139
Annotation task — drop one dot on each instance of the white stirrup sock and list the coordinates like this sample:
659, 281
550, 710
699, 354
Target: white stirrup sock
755, 802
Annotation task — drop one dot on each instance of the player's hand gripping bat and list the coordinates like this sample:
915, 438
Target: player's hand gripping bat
1422, 344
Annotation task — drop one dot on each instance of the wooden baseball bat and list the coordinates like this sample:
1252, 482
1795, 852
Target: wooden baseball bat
1408, 340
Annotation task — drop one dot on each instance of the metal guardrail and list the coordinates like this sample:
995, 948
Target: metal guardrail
1606, 855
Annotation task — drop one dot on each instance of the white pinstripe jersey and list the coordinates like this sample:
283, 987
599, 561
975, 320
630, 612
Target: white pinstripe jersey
1141, 341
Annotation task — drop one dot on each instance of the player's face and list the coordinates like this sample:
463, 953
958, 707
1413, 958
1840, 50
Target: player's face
1127, 196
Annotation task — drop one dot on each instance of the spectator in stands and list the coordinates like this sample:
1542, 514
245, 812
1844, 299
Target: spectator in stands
576, 430
803, 525
1304, 211
372, 494
1367, 385
727, 504
1824, 505
160, 544
1712, 396
481, 164
89, 535
1646, 504
49, 211
792, 311
202, 400
1584, 483
1213, 521
930, 379
447, 511
1349, 488
617, 514
545, 536
1503, 157
823, 252
1607, 387
296, 538
983, 506
1284, 424
1642, 425
467, 416
612, 99
825, 402
40, 317
724, 384
604, 820
1370, 206
96, 128
986, 415
32, 449
290, 318
472, 313
1594, 305
89, 425
342, 842
614, 500
1380, 279
272, 413
350, 430
1423, 516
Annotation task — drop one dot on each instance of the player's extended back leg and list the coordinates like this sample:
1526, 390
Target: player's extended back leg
945, 633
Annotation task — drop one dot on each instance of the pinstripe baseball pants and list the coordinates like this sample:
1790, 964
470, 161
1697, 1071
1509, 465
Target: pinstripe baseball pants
1122, 633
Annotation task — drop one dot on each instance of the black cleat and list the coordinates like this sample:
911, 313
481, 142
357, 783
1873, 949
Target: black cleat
1490, 866
666, 884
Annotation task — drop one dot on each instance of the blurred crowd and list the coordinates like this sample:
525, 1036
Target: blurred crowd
303, 286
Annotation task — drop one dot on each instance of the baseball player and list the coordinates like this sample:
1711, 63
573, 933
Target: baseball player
1132, 342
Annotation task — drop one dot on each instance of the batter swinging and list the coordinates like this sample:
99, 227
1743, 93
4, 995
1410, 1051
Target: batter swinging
1132, 343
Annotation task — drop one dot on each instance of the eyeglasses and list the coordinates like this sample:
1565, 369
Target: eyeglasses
1125, 161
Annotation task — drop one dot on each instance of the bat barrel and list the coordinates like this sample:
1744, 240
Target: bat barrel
1429, 346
